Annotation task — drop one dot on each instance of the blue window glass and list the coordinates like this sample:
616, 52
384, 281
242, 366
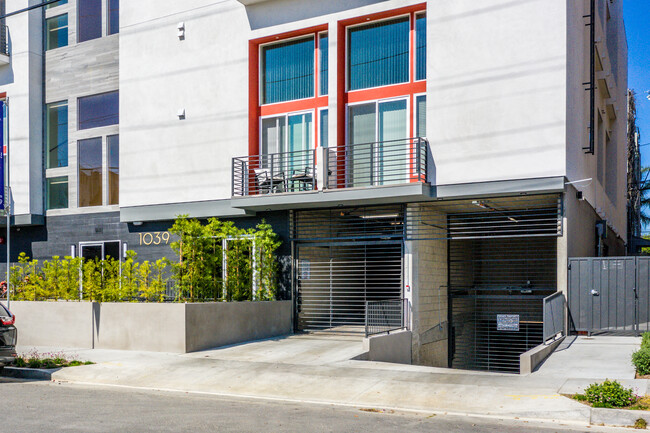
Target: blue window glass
56, 135
59, 3
324, 124
323, 63
99, 110
56, 32
89, 19
288, 71
56, 195
421, 47
113, 16
378, 54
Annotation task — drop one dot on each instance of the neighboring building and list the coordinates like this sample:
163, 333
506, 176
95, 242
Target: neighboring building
303, 113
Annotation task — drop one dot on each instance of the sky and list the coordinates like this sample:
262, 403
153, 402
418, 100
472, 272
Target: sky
637, 24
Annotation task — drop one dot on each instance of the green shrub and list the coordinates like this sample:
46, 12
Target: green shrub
640, 424
645, 340
610, 394
641, 360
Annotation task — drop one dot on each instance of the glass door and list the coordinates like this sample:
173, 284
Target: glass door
377, 135
392, 147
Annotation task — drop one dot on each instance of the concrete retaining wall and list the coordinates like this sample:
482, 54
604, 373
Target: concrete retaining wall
528, 361
60, 324
219, 324
394, 347
177, 328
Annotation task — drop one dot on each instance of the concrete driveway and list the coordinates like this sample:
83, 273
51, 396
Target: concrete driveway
301, 349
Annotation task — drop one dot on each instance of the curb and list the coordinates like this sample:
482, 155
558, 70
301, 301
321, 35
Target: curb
618, 417
27, 373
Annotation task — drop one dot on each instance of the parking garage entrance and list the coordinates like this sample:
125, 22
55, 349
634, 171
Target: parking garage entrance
345, 258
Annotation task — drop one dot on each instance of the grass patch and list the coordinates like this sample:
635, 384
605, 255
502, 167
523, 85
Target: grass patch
48, 360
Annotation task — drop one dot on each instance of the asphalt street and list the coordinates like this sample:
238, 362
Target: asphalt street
59, 407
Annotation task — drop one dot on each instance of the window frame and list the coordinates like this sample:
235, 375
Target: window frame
101, 22
415, 47
416, 113
47, 31
310, 145
47, 192
261, 69
78, 169
366, 23
79, 98
107, 169
320, 127
377, 102
319, 81
46, 143
257, 109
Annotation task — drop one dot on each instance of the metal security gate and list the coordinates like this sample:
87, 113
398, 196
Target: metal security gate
496, 293
335, 280
343, 258
609, 294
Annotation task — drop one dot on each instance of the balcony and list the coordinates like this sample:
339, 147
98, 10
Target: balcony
4, 45
379, 172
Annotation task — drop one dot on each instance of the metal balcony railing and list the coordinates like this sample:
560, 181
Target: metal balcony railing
4, 40
274, 173
375, 164
355, 165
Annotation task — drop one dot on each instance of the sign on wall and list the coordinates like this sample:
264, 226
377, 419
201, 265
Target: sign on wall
507, 322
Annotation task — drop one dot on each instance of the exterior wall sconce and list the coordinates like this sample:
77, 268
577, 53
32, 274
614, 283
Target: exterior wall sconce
181, 31
181, 114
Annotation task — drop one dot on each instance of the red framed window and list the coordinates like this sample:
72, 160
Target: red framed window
288, 91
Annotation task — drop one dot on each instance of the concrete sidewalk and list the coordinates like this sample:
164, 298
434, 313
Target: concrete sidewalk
282, 369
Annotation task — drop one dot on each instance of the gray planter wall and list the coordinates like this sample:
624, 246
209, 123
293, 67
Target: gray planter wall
177, 328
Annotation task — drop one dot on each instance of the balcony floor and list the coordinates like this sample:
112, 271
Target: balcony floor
385, 194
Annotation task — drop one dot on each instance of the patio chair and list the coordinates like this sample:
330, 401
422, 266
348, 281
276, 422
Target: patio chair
269, 183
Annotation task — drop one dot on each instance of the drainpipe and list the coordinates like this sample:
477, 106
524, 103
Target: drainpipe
592, 77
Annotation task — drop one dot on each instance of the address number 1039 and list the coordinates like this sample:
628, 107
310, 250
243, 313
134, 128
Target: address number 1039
154, 238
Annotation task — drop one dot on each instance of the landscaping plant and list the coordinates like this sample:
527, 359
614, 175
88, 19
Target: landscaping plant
48, 360
609, 394
199, 273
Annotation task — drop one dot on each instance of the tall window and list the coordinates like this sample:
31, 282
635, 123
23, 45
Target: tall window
291, 93
389, 53
323, 126
421, 47
421, 116
90, 172
56, 32
113, 16
378, 54
56, 194
56, 134
99, 110
89, 20
288, 71
113, 144
323, 62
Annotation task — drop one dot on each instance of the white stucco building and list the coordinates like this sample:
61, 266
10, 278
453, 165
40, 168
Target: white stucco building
437, 152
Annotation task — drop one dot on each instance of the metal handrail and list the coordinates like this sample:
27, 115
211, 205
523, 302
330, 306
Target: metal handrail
554, 309
386, 315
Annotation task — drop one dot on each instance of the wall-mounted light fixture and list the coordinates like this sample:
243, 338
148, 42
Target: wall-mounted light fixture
181, 114
181, 31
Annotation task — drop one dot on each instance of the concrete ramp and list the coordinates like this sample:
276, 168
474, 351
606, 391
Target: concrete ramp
319, 348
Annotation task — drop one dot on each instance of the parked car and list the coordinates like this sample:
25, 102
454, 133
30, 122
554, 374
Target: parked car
8, 336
